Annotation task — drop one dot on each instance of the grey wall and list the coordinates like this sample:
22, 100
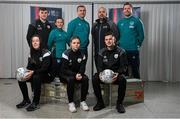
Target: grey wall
160, 52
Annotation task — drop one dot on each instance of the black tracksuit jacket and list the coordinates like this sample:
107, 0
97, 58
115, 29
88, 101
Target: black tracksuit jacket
115, 60
40, 28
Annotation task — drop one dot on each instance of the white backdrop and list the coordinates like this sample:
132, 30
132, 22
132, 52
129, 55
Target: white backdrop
160, 52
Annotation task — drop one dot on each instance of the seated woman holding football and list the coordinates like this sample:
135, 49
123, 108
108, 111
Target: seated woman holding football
38, 66
110, 59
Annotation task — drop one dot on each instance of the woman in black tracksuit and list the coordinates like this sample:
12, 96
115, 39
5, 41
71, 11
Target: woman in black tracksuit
38, 65
73, 65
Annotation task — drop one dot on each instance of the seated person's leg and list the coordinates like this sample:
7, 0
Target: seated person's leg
84, 87
37, 92
70, 80
84, 90
55, 68
24, 90
121, 81
97, 91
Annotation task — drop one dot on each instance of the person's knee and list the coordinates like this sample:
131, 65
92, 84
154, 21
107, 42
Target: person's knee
70, 80
36, 76
95, 77
122, 80
85, 79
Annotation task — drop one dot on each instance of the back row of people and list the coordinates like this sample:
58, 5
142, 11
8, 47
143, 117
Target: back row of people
70, 64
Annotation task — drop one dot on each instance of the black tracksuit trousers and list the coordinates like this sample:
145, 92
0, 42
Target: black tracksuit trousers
121, 81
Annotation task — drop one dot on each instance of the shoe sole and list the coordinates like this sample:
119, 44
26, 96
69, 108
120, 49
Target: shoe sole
23, 106
33, 109
73, 111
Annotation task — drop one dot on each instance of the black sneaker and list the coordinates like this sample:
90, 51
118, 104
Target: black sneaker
98, 106
120, 108
32, 107
23, 104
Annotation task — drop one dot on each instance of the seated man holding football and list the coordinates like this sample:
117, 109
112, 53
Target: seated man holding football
111, 58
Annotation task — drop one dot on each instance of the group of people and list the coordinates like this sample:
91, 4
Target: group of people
116, 47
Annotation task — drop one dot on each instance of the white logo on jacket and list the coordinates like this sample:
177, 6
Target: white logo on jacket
131, 24
79, 60
115, 56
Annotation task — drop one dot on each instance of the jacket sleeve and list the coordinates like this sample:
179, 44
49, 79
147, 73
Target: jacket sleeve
93, 31
31, 31
100, 63
70, 30
50, 40
114, 29
29, 65
123, 63
140, 30
64, 66
88, 31
45, 64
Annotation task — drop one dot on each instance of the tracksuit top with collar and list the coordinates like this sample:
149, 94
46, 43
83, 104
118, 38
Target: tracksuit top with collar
79, 27
99, 28
131, 32
40, 61
73, 62
57, 42
40, 28
114, 59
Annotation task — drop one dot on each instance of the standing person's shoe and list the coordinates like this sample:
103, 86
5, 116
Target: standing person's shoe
99, 106
23, 104
32, 107
120, 108
72, 107
84, 106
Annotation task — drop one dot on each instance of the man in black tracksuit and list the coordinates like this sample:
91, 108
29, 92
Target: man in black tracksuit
99, 28
114, 58
41, 27
73, 65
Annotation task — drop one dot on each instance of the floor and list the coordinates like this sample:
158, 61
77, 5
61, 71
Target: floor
162, 100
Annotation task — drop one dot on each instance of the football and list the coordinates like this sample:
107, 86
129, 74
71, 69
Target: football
21, 73
106, 76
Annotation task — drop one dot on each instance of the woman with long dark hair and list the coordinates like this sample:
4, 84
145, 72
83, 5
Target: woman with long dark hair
39, 62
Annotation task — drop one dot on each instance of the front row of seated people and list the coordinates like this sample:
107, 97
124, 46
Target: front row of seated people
72, 70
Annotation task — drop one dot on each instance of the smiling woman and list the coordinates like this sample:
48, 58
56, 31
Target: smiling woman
37, 71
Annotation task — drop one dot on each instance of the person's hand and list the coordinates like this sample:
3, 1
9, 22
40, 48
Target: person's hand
115, 75
28, 74
78, 76
100, 75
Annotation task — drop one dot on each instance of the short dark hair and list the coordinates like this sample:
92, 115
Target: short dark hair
127, 3
74, 37
80, 6
42, 9
59, 18
108, 33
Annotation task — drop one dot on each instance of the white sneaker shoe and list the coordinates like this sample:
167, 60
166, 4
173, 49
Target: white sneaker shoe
84, 106
72, 107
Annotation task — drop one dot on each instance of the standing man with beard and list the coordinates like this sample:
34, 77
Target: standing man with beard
131, 31
41, 27
100, 27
